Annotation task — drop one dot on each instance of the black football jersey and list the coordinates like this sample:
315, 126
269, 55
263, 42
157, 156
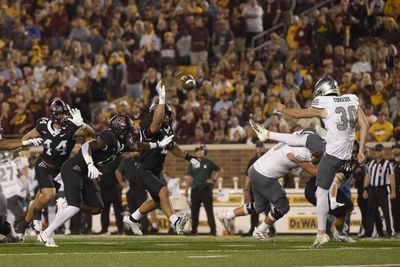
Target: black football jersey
109, 154
153, 160
57, 143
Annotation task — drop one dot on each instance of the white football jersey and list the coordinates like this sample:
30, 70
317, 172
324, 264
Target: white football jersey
275, 163
9, 179
340, 123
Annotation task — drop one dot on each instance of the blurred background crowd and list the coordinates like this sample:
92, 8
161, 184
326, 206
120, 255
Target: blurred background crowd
106, 56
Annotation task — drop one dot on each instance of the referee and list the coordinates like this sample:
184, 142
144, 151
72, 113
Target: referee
379, 185
201, 183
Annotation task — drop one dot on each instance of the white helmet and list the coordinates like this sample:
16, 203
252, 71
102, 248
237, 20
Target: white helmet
326, 86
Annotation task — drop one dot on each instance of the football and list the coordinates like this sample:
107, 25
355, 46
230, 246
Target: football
188, 82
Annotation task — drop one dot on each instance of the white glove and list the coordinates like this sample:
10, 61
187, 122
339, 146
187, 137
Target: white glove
160, 88
195, 163
93, 172
335, 204
76, 116
261, 132
165, 142
33, 142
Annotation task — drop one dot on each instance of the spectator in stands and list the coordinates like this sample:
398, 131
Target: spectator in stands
136, 69
382, 129
116, 76
235, 127
200, 40
253, 14
362, 65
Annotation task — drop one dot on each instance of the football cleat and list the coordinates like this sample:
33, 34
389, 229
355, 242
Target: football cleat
262, 236
225, 222
342, 237
37, 225
320, 240
47, 241
261, 132
134, 226
180, 223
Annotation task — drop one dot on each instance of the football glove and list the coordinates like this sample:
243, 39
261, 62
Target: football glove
165, 142
93, 172
76, 116
160, 88
32, 142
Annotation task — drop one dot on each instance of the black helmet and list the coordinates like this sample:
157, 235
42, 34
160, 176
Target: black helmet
326, 86
167, 117
121, 126
58, 112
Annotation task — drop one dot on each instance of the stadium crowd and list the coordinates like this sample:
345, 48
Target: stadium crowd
105, 57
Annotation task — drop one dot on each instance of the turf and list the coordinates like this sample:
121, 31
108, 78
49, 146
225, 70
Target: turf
82, 251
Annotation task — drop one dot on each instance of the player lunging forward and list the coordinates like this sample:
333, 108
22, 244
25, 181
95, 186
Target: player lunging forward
77, 173
58, 132
264, 173
339, 114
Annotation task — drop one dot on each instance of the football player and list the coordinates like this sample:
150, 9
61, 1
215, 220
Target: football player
6, 228
264, 175
339, 115
149, 175
58, 131
77, 173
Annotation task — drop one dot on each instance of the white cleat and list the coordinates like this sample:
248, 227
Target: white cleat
180, 223
47, 241
342, 237
225, 222
60, 203
37, 225
135, 227
262, 236
335, 204
320, 240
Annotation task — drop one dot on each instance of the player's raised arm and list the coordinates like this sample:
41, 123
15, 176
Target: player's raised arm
299, 113
178, 152
364, 128
159, 113
140, 146
11, 144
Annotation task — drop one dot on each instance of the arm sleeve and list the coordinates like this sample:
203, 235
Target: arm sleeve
317, 102
109, 138
302, 154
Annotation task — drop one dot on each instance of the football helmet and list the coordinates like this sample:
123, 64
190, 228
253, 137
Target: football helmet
58, 112
326, 86
122, 127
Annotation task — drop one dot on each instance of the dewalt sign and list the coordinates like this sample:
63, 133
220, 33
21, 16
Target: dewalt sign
302, 223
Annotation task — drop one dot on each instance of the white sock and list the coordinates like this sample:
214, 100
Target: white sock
230, 214
263, 227
173, 219
322, 207
51, 212
154, 225
290, 139
67, 225
61, 217
137, 215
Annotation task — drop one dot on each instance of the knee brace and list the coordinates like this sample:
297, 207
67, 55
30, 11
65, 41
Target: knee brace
250, 208
281, 207
5, 228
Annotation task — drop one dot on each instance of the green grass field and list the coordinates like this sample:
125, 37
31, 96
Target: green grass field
171, 251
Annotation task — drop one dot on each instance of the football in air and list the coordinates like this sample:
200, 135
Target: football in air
188, 82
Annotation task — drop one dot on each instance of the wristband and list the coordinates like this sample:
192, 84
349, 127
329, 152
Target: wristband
161, 100
366, 188
83, 126
25, 143
188, 157
153, 145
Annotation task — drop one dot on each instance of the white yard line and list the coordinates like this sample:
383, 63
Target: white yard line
207, 256
266, 250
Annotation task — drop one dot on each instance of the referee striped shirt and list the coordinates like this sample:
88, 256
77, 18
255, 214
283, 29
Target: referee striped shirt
379, 173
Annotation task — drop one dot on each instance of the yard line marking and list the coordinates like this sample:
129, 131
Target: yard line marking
171, 244
207, 257
175, 251
237, 245
364, 265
